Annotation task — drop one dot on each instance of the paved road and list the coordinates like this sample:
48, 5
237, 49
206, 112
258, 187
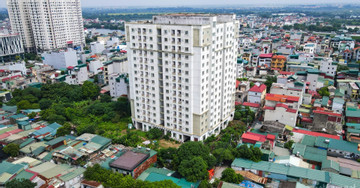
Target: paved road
218, 171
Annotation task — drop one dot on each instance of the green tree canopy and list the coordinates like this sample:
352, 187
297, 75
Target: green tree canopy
12, 149
230, 176
194, 169
17, 183
90, 90
188, 150
116, 180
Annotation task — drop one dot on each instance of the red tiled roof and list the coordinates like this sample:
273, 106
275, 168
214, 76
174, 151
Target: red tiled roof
281, 98
258, 89
9, 133
270, 137
286, 107
237, 103
279, 57
266, 55
308, 120
287, 73
326, 113
301, 131
253, 136
250, 104
269, 108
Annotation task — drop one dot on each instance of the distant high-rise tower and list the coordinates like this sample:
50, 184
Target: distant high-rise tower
47, 24
182, 73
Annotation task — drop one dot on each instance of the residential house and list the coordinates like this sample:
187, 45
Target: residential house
265, 59
278, 62
241, 92
134, 162
257, 93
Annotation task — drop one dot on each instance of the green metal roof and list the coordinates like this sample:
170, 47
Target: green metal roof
352, 112
357, 131
315, 154
313, 71
153, 177
73, 174
24, 175
325, 101
329, 164
56, 140
343, 146
321, 142
355, 125
299, 148
308, 140
343, 181
101, 140
27, 142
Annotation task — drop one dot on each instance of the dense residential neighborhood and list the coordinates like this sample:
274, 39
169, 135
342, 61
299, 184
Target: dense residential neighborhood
179, 97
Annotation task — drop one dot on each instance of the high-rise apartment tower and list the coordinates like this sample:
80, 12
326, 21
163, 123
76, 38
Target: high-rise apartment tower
47, 24
182, 73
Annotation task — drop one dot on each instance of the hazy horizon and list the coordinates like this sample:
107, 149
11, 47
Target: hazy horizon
197, 3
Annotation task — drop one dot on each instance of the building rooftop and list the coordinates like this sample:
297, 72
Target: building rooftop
258, 88
129, 160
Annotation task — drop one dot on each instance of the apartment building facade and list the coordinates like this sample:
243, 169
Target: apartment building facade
47, 24
182, 73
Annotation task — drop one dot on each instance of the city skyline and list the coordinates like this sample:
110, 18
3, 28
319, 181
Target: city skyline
166, 3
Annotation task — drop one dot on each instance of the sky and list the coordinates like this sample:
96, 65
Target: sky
169, 3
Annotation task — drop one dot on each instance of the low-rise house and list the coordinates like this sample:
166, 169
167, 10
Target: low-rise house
286, 172
134, 162
265, 59
119, 85
278, 62
257, 93
242, 88
90, 184
330, 166
8, 171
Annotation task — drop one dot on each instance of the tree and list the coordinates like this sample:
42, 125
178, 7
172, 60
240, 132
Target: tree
24, 104
188, 150
165, 156
289, 144
194, 169
222, 154
251, 153
45, 103
113, 179
32, 115
269, 81
154, 133
237, 115
204, 184
342, 67
12, 149
105, 98
90, 90
64, 130
23, 183
324, 91
229, 175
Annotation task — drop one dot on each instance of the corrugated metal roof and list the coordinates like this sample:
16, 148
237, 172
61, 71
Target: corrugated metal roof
73, 174
308, 140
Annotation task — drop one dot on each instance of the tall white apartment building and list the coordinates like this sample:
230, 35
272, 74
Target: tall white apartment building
182, 70
47, 24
